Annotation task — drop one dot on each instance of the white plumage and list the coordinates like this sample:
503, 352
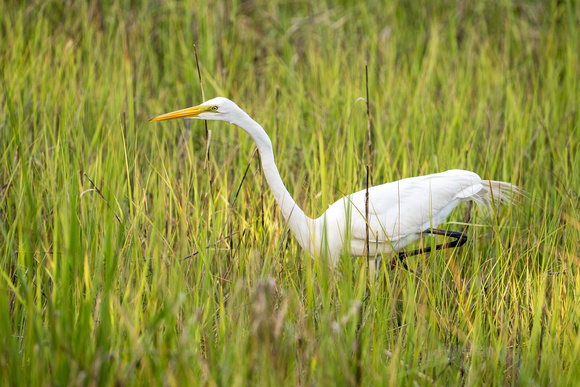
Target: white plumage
399, 212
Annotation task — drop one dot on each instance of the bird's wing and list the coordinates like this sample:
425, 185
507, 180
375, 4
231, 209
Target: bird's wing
411, 205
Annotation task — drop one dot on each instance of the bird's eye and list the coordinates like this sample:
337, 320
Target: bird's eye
214, 108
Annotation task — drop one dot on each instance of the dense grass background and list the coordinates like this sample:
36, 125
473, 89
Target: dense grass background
102, 211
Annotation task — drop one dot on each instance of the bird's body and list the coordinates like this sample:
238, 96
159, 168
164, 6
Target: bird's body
399, 212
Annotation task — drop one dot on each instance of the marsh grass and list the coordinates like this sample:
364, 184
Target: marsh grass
106, 276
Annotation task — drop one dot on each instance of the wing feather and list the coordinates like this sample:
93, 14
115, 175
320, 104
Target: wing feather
409, 206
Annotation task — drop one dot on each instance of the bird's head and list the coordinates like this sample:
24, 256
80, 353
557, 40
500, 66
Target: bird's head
217, 109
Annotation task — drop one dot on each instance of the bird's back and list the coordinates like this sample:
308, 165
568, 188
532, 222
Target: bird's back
399, 211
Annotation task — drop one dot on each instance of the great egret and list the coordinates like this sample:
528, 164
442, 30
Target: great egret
399, 212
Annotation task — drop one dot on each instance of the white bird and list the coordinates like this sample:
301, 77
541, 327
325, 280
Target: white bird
399, 213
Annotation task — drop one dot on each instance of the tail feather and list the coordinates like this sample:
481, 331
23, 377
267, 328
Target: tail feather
498, 192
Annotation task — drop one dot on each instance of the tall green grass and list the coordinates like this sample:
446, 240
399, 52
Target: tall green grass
106, 276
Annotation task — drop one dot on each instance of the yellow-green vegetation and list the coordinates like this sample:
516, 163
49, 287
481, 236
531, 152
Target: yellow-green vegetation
105, 277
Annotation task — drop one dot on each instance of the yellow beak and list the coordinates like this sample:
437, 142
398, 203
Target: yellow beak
183, 113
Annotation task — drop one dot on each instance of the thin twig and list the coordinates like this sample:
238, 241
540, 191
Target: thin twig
369, 143
276, 114
358, 341
369, 169
199, 74
244, 177
103, 197
237, 193
208, 140
207, 131
261, 198
206, 247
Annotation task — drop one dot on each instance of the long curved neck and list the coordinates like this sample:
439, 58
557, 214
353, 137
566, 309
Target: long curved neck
292, 213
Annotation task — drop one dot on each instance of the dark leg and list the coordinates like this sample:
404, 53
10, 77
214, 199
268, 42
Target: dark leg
460, 239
